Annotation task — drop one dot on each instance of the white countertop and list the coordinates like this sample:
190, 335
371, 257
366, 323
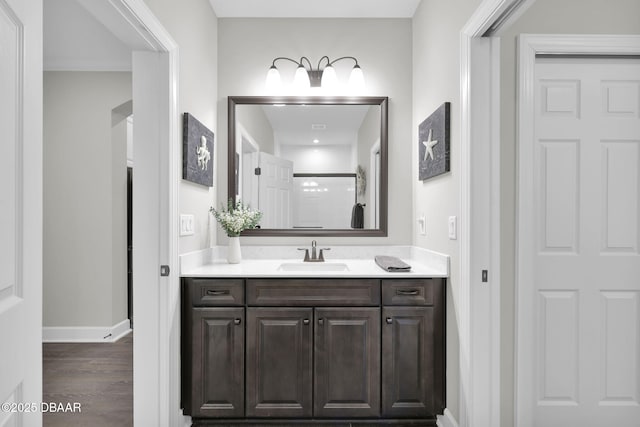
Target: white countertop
264, 261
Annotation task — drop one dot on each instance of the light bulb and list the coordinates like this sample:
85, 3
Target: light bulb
301, 79
273, 82
329, 78
356, 79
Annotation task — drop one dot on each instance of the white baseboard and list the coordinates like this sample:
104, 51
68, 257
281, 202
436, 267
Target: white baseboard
446, 420
86, 334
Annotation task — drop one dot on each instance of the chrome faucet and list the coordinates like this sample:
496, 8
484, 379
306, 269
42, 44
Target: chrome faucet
313, 258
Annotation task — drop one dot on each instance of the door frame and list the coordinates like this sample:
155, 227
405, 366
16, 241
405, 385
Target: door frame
374, 182
245, 173
479, 223
156, 374
529, 46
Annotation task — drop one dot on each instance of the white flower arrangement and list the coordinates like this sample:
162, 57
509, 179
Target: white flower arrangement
236, 218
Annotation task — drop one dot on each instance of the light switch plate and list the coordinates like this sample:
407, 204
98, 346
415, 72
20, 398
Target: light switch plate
453, 228
422, 224
186, 225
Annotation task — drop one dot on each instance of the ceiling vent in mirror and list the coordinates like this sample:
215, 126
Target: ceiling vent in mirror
318, 126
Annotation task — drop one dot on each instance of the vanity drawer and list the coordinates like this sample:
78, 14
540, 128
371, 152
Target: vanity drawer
409, 291
215, 292
313, 292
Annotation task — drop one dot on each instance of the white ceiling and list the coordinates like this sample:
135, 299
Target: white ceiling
314, 8
293, 124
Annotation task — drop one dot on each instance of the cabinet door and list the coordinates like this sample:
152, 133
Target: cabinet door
408, 376
217, 372
279, 360
347, 362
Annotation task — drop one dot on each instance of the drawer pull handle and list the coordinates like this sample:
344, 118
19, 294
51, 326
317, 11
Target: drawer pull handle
389, 320
321, 321
305, 321
407, 292
237, 321
216, 292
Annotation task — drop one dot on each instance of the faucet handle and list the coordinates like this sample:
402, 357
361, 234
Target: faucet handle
321, 256
306, 253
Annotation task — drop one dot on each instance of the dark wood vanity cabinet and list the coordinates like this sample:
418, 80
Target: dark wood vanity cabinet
303, 349
217, 362
347, 362
213, 347
279, 362
413, 341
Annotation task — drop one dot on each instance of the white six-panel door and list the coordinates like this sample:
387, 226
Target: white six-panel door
20, 212
585, 316
275, 191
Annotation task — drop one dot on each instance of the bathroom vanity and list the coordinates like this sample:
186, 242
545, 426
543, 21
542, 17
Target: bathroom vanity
312, 346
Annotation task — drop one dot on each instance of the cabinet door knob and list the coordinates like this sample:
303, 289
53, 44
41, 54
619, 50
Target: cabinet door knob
389, 320
305, 322
321, 321
237, 321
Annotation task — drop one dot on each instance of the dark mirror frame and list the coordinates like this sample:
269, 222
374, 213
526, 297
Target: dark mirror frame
382, 101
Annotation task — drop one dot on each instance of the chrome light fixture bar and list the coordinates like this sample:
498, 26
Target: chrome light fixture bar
322, 76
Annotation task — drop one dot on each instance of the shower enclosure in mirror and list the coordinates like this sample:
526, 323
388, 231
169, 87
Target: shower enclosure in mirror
314, 165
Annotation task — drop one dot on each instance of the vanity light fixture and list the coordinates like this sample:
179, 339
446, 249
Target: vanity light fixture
322, 76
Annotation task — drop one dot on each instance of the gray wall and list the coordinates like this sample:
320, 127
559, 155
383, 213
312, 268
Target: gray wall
254, 121
246, 49
84, 280
436, 56
544, 17
194, 27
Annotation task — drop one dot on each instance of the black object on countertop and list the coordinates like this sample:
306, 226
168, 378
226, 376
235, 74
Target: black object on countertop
392, 264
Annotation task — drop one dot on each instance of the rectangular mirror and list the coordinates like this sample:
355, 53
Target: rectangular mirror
315, 166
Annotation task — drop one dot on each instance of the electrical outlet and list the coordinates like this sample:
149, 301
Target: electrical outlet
453, 228
186, 225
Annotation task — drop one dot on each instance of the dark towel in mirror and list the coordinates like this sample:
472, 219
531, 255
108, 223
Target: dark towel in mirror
392, 264
357, 216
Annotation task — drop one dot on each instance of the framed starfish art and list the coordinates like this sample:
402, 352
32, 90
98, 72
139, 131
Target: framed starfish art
433, 143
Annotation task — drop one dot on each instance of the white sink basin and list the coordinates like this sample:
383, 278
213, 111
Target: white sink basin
313, 266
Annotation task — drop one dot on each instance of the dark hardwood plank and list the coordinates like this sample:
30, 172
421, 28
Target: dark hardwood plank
99, 376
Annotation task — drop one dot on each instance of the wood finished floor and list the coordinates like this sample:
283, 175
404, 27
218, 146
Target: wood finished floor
98, 376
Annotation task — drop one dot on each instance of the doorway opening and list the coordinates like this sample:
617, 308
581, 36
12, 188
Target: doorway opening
130, 245
152, 56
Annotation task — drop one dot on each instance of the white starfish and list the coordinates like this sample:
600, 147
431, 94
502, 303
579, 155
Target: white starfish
429, 146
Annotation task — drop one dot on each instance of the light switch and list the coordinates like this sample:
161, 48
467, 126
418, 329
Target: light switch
186, 225
422, 224
453, 228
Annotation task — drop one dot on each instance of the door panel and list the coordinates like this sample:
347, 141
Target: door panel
347, 362
620, 202
275, 191
21, 208
408, 374
279, 362
217, 362
586, 163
